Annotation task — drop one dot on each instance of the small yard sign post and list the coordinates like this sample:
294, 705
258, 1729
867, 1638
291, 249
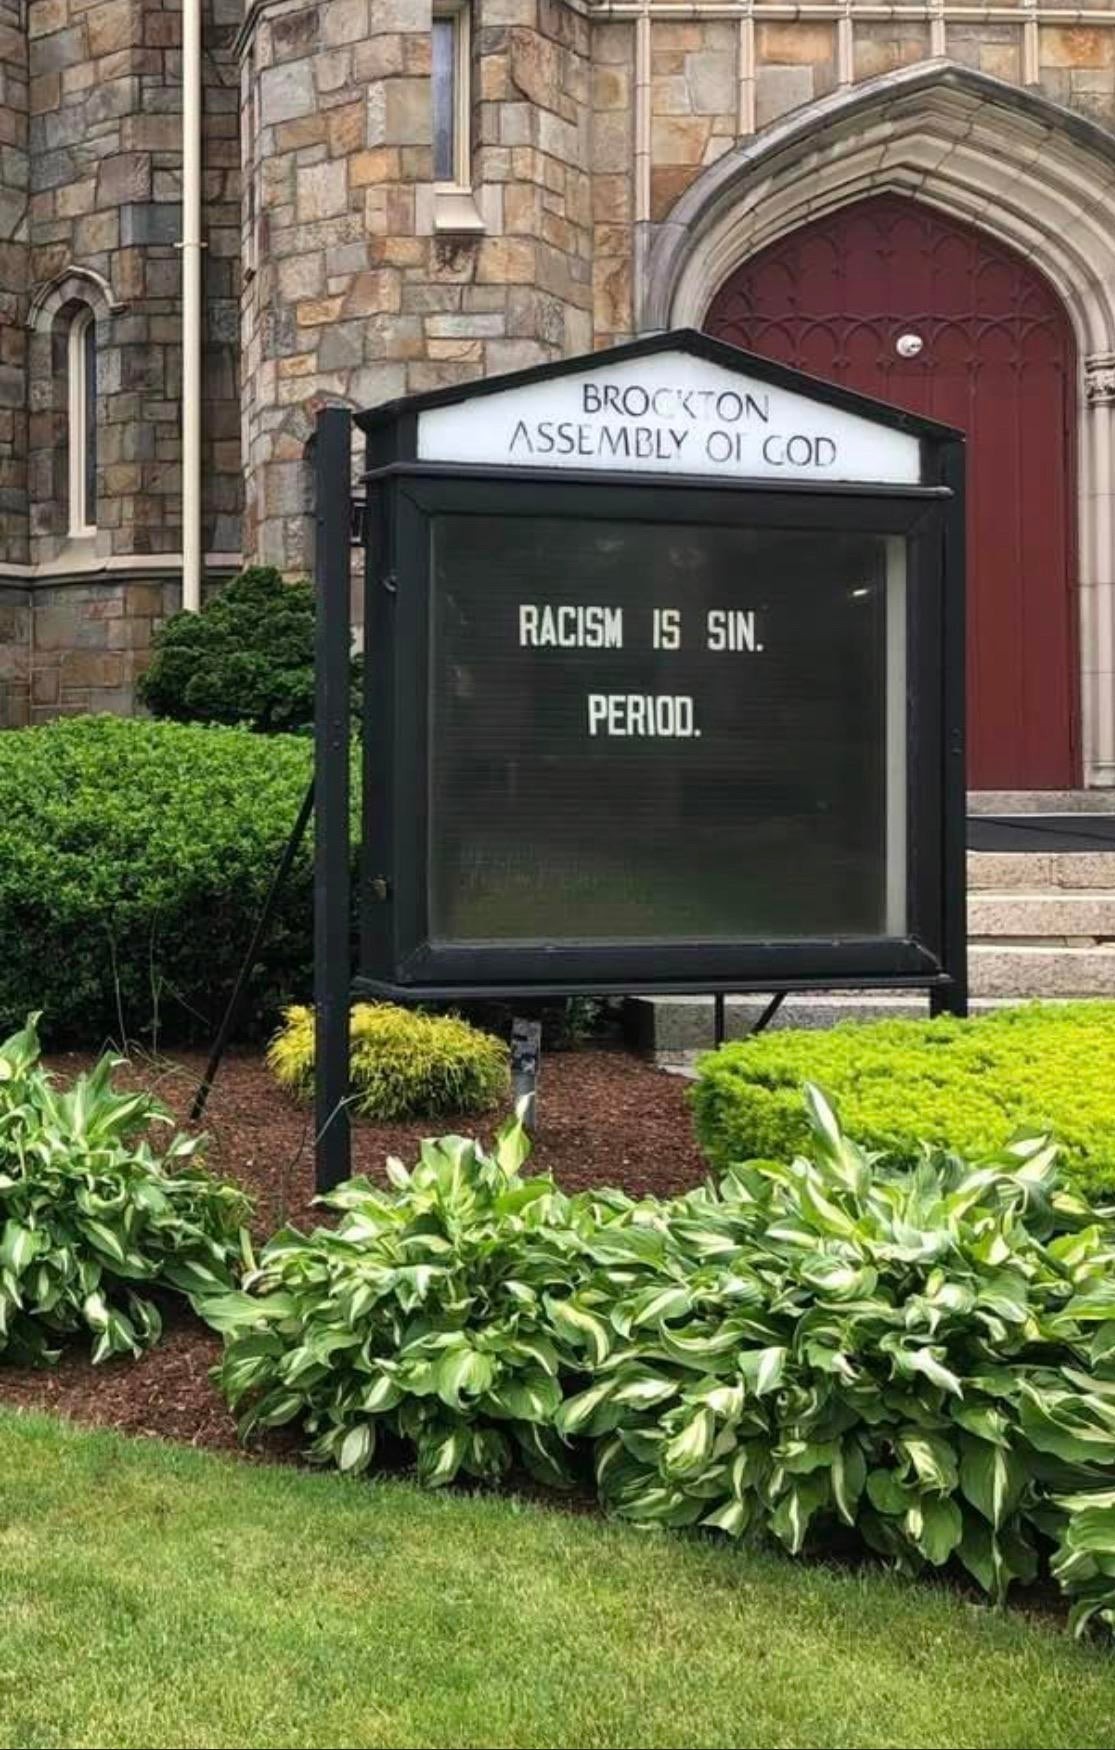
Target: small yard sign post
664, 692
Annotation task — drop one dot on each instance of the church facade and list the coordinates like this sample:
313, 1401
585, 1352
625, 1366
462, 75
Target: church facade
915, 199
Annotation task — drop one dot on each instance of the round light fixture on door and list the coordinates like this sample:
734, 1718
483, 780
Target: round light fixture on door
907, 346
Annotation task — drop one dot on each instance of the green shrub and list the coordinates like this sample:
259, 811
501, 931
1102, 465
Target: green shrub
92, 1217
919, 1361
134, 858
246, 658
424, 1313
404, 1064
968, 1085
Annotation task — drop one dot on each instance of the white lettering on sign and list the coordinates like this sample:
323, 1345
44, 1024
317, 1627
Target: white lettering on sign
569, 627
671, 413
580, 626
643, 714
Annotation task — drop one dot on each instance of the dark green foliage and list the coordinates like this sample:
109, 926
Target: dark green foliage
248, 658
967, 1085
919, 1361
93, 1217
134, 857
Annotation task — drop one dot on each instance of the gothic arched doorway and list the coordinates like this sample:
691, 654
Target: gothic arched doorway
996, 357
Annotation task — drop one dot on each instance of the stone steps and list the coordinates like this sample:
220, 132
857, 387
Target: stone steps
1041, 926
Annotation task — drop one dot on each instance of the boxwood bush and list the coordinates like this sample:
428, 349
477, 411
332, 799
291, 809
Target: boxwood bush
405, 1064
247, 657
969, 1085
134, 857
917, 1361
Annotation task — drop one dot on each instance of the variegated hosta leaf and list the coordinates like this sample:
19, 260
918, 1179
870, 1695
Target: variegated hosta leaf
94, 1204
925, 1357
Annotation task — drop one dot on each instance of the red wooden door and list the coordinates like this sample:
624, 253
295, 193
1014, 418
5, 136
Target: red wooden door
997, 358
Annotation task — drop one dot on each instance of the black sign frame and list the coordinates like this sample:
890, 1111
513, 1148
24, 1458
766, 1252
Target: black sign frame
395, 959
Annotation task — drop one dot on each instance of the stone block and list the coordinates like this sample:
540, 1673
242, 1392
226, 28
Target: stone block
678, 139
779, 89
341, 346
111, 27
1076, 46
343, 21
124, 177
378, 164
345, 129
372, 293
667, 184
505, 261
711, 79
406, 113
286, 91
62, 48
795, 44
76, 198
302, 276
535, 67
147, 222
321, 191
315, 310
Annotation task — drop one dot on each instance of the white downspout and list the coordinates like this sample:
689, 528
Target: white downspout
191, 305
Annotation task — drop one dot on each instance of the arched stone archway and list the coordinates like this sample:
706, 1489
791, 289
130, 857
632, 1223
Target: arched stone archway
1029, 172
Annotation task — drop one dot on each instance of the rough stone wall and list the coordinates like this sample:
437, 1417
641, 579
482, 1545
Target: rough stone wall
222, 477
14, 175
352, 292
92, 640
106, 192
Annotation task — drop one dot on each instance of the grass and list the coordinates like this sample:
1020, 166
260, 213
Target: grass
150, 1595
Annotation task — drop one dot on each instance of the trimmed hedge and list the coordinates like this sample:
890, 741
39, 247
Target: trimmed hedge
965, 1085
134, 858
404, 1064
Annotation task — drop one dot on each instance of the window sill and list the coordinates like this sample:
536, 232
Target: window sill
455, 210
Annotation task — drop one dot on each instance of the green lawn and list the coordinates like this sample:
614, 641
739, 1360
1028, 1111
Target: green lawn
156, 1596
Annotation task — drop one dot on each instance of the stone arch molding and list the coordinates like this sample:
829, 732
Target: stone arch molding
1033, 174
73, 283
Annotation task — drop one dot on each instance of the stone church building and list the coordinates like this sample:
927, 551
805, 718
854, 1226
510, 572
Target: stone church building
373, 197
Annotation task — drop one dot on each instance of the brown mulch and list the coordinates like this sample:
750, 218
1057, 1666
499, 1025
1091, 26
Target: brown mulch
605, 1118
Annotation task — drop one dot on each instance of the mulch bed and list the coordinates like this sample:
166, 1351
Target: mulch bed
605, 1118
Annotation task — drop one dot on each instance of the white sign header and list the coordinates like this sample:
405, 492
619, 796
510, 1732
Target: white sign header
669, 413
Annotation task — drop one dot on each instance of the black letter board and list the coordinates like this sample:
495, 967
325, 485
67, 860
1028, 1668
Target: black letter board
664, 684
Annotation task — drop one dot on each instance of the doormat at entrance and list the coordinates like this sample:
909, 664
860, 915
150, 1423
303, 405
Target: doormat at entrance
1041, 832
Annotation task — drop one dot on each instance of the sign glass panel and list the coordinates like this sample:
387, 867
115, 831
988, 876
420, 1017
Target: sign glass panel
648, 731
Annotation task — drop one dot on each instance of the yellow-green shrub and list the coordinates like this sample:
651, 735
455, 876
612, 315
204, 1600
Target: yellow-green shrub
965, 1085
403, 1064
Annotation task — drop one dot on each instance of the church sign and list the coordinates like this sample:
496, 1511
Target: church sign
664, 685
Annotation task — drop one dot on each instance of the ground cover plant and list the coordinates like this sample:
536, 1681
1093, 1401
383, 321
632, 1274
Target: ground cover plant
134, 858
154, 1595
94, 1217
968, 1085
919, 1362
403, 1063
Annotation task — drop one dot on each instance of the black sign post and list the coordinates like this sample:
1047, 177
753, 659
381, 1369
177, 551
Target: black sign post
332, 850
664, 691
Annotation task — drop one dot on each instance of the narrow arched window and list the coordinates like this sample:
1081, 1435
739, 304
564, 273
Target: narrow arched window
83, 423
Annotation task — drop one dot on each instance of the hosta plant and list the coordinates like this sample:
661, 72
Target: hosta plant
93, 1216
925, 1358
919, 1361
422, 1314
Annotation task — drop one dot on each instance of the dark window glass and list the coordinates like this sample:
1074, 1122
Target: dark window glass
89, 351
444, 84
643, 732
